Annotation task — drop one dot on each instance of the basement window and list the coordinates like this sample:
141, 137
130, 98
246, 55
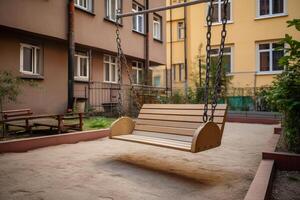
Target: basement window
30, 59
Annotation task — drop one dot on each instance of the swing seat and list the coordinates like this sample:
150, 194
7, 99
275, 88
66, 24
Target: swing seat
175, 126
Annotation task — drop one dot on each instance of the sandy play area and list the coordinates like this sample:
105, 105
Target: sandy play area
111, 169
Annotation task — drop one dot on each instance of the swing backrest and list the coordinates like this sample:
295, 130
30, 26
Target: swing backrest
178, 119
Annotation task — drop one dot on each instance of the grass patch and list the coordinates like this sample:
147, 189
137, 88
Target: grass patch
93, 123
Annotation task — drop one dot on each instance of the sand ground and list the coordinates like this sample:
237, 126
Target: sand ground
112, 169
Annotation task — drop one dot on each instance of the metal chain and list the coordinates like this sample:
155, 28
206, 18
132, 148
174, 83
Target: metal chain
119, 64
217, 88
121, 58
208, 51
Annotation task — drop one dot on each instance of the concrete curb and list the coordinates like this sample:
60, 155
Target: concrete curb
23, 145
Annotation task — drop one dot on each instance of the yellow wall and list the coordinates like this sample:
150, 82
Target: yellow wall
243, 34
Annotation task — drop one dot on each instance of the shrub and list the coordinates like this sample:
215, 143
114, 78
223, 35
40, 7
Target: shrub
284, 94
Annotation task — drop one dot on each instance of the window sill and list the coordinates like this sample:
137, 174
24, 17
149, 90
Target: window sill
158, 40
269, 72
32, 76
111, 21
220, 23
270, 16
81, 80
110, 82
143, 34
230, 74
86, 11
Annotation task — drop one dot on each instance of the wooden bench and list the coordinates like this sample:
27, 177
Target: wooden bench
176, 126
17, 118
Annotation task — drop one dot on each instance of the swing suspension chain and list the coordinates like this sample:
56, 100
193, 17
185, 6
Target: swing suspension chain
208, 51
218, 87
121, 58
218, 79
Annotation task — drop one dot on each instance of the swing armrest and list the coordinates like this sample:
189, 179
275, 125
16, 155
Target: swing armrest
206, 137
122, 126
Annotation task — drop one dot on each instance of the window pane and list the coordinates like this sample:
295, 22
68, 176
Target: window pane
113, 9
228, 11
157, 81
214, 51
113, 73
227, 50
134, 75
264, 7
215, 16
107, 78
214, 61
75, 65
278, 6
226, 63
83, 67
106, 58
27, 59
141, 23
174, 72
140, 76
276, 56
264, 58
38, 61
134, 22
264, 46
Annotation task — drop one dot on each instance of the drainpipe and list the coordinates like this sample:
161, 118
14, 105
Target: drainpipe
147, 63
171, 50
185, 52
71, 53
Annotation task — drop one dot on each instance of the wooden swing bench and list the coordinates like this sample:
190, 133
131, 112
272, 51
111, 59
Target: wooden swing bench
175, 126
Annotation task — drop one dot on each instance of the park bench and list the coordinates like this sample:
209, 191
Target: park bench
175, 126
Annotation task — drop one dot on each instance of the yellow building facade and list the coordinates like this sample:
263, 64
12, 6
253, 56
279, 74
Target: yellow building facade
254, 29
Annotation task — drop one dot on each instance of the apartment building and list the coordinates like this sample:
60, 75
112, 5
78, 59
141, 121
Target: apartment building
34, 46
254, 29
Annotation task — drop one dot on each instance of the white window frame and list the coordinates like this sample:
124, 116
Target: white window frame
111, 64
226, 53
157, 33
270, 15
108, 9
77, 68
88, 7
33, 59
270, 50
136, 18
154, 77
178, 30
219, 2
137, 69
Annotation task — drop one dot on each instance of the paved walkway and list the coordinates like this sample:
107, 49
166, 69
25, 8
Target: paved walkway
111, 169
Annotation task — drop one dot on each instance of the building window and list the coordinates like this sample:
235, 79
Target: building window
30, 59
81, 71
138, 20
268, 8
110, 69
84, 4
137, 72
268, 57
112, 6
227, 59
218, 12
178, 72
157, 27
156, 81
180, 30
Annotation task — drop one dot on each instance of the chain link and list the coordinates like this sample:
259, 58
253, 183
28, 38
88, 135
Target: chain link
217, 88
121, 59
208, 51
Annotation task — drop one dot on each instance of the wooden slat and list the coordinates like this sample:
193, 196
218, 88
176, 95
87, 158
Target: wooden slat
177, 118
181, 112
168, 123
162, 140
183, 138
163, 129
156, 142
182, 106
